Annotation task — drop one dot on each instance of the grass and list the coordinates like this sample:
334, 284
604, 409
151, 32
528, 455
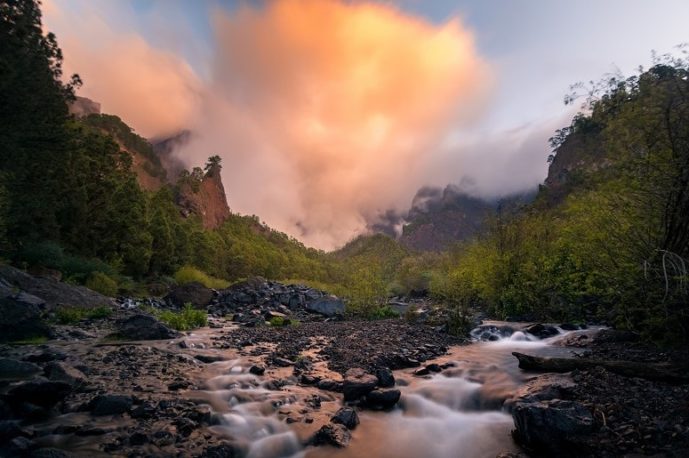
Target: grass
31, 341
71, 315
185, 320
188, 274
278, 321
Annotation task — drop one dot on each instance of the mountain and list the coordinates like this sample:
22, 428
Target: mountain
204, 196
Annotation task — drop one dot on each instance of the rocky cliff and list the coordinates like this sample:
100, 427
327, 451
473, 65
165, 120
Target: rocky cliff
204, 198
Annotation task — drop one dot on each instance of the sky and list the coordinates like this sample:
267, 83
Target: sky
330, 114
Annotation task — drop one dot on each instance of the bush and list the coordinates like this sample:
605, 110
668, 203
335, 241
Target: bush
189, 274
71, 315
101, 283
186, 319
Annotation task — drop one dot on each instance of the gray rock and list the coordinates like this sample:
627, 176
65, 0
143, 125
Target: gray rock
144, 327
385, 377
382, 399
551, 426
20, 318
333, 434
542, 331
193, 293
11, 369
62, 372
357, 383
328, 306
110, 404
40, 392
346, 416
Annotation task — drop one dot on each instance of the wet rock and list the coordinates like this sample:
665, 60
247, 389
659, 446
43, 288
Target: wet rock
40, 392
542, 331
421, 372
333, 434
615, 336
20, 318
201, 414
282, 362
46, 356
209, 358
193, 293
185, 426
385, 377
382, 399
50, 453
163, 438
357, 383
346, 416
330, 385
10, 429
551, 426
110, 404
542, 388
328, 306
257, 370
62, 372
178, 385
144, 327
12, 369
434, 368
144, 411
225, 450
569, 327
138, 438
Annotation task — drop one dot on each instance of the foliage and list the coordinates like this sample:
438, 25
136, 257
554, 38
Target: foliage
71, 315
188, 274
100, 282
184, 320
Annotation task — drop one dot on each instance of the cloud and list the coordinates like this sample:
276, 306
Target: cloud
151, 89
328, 113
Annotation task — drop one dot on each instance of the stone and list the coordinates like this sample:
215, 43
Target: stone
144, 327
40, 392
225, 450
357, 383
110, 404
551, 426
209, 358
346, 416
385, 377
329, 306
434, 367
257, 370
20, 318
193, 293
12, 369
542, 331
49, 453
330, 385
333, 434
382, 399
62, 372
421, 372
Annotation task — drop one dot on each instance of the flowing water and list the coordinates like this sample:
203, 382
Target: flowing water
456, 413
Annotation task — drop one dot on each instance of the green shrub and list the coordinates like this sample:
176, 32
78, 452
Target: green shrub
278, 321
186, 319
189, 274
100, 282
381, 313
71, 315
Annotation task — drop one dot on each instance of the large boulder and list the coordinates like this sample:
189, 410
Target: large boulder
551, 426
327, 305
193, 293
542, 331
110, 404
333, 434
40, 392
11, 369
382, 399
58, 371
20, 317
144, 327
346, 416
358, 383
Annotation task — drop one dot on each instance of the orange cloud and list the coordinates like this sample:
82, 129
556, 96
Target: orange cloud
328, 112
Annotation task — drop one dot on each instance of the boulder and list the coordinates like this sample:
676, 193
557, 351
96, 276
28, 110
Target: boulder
333, 434
62, 372
193, 293
40, 392
257, 370
542, 331
110, 404
382, 399
385, 377
20, 317
144, 327
346, 416
551, 426
358, 383
327, 305
11, 369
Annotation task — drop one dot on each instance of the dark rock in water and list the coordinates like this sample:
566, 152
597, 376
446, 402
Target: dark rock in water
434, 367
49, 453
382, 399
144, 411
542, 388
615, 336
357, 383
307, 379
185, 426
209, 358
225, 450
138, 438
421, 372
40, 392
11, 369
542, 331
46, 356
346, 416
385, 377
62, 372
569, 327
193, 293
551, 426
257, 370
330, 385
20, 318
328, 306
333, 434
144, 327
110, 404
178, 385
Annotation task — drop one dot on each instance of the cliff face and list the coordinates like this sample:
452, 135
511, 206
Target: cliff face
205, 199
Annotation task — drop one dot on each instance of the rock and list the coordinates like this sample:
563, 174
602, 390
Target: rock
569, 327
20, 318
144, 327
40, 392
225, 450
61, 372
330, 385
193, 293
257, 370
385, 377
49, 453
357, 383
382, 399
421, 372
209, 358
144, 411
178, 385
542, 388
551, 426
138, 438
615, 336
328, 306
333, 434
10, 429
542, 331
11, 369
110, 404
434, 368
346, 416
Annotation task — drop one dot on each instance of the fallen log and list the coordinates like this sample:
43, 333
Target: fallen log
648, 371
